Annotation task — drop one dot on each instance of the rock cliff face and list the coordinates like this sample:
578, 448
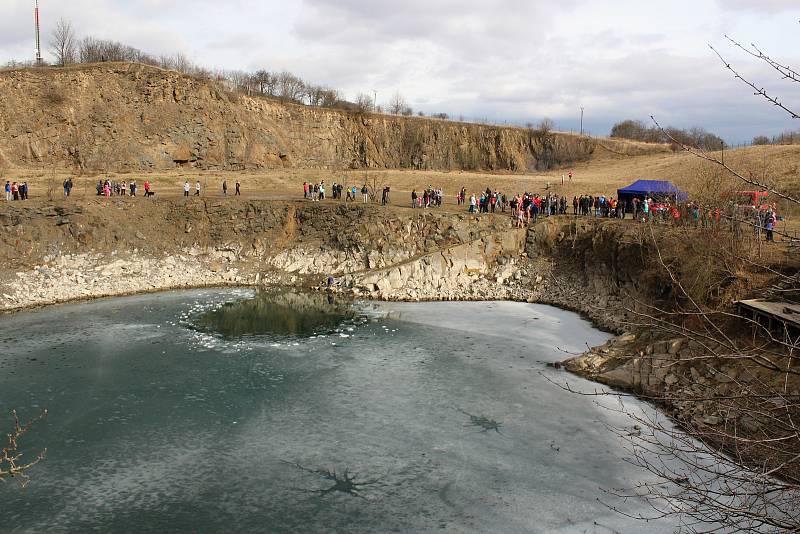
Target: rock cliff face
118, 117
55, 253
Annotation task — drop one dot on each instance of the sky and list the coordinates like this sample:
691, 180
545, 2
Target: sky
500, 60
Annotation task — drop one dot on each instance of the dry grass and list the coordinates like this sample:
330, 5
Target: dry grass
604, 174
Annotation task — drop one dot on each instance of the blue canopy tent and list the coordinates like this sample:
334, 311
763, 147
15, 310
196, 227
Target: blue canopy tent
659, 190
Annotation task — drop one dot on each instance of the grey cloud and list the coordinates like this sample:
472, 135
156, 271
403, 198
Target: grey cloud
760, 5
483, 28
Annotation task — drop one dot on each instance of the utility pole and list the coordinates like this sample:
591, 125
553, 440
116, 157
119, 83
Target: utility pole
374, 100
581, 120
38, 40
722, 145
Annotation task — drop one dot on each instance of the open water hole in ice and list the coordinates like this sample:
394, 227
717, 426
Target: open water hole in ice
186, 411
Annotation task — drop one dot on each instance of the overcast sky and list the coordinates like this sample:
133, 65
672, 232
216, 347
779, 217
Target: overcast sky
505, 60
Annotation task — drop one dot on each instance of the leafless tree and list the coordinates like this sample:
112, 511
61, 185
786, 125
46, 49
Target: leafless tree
63, 43
264, 80
398, 104
12, 464
240, 80
735, 466
319, 96
731, 460
290, 88
545, 127
365, 103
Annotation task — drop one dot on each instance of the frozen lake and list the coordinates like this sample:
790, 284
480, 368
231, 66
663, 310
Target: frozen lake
215, 410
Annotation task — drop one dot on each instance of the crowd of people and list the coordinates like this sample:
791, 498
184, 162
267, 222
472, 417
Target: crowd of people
429, 198
108, 187
317, 192
16, 191
525, 208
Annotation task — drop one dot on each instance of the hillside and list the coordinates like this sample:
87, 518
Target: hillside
129, 117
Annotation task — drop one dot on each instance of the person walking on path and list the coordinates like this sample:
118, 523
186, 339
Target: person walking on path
365, 192
197, 189
186, 188
225, 188
238, 189
8, 191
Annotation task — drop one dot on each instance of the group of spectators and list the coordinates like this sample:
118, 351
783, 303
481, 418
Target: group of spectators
528, 207
429, 198
316, 192
763, 220
16, 191
108, 187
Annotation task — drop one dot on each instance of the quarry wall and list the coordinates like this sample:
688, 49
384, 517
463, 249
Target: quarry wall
128, 117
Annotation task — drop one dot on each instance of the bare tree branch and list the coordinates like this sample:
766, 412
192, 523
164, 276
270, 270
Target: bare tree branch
713, 159
759, 91
787, 72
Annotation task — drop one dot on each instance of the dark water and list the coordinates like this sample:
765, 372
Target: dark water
421, 417
275, 314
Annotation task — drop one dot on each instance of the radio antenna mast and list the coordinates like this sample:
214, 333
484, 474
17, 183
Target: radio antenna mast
38, 39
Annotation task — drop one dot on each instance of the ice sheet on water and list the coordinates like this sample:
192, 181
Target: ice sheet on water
389, 410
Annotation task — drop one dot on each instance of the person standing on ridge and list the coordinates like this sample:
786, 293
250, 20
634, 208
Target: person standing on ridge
225, 188
238, 189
